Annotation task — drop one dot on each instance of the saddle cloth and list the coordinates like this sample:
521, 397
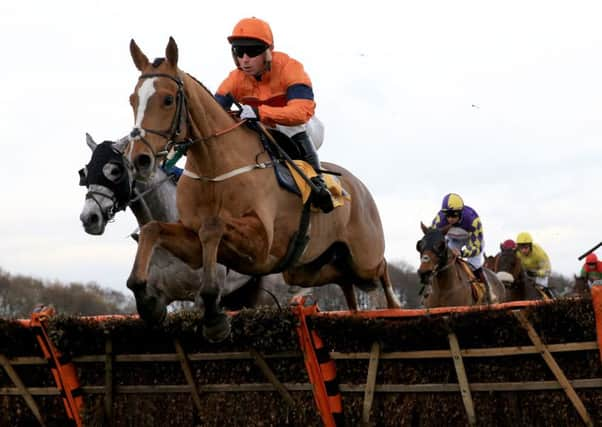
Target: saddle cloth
477, 287
339, 195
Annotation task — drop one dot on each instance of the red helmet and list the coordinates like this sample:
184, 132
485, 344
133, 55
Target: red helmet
591, 259
508, 244
252, 28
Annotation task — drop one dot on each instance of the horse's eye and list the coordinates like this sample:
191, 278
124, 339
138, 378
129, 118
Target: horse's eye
112, 172
168, 100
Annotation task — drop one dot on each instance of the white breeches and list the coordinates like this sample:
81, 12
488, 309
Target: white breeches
314, 128
542, 281
476, 261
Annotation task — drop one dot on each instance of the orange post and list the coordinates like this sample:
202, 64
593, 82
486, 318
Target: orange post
597, 304
63, 370
329, 377
330, 408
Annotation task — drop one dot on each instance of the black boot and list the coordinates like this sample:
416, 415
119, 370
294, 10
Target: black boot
481, 277
321, 198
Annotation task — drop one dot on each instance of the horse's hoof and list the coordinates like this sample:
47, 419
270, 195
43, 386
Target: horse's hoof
136, 285
217, 329
150, 311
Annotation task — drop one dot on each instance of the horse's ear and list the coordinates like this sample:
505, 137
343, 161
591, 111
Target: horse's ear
445, 229
171, 52
140, 59
121, 143
90, 141
424, 227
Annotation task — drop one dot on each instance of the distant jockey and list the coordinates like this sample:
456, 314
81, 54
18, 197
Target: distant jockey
592, 269
508, 245
534, 259
275, 90
465, 237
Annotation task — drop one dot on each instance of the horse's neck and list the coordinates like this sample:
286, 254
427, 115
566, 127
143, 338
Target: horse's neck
158, 202
447, 276
211, 156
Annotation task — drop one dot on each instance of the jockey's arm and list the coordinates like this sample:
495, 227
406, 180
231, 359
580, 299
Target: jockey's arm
475, 240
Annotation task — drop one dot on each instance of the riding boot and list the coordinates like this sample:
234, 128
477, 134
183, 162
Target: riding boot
321, 198
481, 277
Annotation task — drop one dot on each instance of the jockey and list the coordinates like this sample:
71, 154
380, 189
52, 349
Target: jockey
465, 237
534, 260
275, 90
508, 244
592, 269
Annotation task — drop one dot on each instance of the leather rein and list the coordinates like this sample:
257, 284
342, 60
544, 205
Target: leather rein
181, 118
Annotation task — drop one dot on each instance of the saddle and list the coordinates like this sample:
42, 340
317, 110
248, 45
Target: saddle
477, 287
289, 179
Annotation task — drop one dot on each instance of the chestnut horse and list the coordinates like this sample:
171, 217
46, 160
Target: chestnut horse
519, 286
446, 282
231, 208
111, 188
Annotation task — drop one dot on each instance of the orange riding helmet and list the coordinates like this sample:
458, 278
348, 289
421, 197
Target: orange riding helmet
252, 28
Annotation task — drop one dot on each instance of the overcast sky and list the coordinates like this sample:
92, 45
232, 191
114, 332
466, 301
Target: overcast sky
500, 102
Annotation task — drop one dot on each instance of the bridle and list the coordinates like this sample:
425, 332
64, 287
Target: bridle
445, 262
119, 192
173, 132
122, 193
181, 117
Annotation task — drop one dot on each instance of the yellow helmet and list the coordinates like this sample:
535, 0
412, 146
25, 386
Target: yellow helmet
452, 202
524, 238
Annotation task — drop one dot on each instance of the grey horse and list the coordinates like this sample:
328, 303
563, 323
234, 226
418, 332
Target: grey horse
109, 179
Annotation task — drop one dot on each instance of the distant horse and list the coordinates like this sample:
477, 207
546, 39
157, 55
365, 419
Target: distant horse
446, 281
519, 285
231, 207
581, 287
111, 188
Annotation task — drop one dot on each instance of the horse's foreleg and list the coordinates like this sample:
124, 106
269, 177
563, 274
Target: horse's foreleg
175, 238
216, 326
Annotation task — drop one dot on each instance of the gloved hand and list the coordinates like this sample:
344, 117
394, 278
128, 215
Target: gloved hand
249, 113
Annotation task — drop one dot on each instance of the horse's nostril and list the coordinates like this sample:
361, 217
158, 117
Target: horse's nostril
142, 162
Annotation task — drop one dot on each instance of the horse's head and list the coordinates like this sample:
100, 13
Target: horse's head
160, 112
109, 180
489, 261
509, 267
433, 252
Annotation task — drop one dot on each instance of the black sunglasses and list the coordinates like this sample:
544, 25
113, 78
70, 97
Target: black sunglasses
452, 214
250, 51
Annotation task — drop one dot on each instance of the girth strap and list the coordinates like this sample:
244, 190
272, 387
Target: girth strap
228, 175
298, 242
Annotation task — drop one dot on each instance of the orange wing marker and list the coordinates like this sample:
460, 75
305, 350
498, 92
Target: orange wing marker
597, 303
63, 370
